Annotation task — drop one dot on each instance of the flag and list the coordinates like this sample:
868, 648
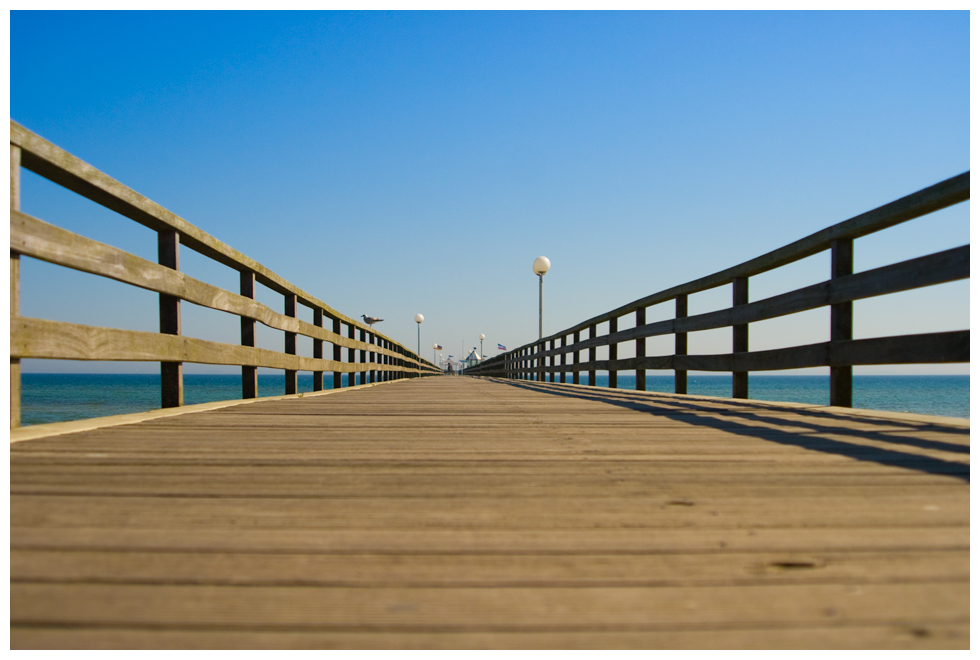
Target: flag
438, 347
501, 347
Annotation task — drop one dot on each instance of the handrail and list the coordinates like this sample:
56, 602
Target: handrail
841, 353
371, 354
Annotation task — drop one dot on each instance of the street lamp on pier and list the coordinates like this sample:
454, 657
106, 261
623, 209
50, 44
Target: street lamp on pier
540, 267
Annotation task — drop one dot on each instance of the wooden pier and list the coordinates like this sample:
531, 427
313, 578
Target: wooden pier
518, 509
471, 513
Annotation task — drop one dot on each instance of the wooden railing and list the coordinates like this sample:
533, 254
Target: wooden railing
372, 355
556, 355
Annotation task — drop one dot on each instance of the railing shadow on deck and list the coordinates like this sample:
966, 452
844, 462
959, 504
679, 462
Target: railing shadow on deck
726, 420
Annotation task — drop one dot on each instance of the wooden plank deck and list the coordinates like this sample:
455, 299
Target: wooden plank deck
465, 513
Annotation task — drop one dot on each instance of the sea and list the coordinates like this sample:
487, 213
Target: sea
47, 398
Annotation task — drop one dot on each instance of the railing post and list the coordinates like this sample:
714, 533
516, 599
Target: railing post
592, 355
539, 363
561, 344
337, 376
575, 358
290, 344
351, 357
841, 322
362, 357
387, 361
368, 358
680, 345
551, 361
641, 351
318, 349
382, 361
250, 375
613, 352
14, 288
372, 359
740, 338
171, 373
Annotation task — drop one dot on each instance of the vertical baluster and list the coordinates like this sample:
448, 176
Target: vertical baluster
613, 353
575, 357
680, 345
385, 360
551, 361
740, 338
337, 375
641, 351
372, 358
841, 323
561, 344
14, 288
362, 357
538, 363
351, 357
592, 355
290, 343
250, 375
317, 349
171, 373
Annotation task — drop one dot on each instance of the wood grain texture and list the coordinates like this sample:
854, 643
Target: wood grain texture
552, 516
37, 338
41, 240
55, 164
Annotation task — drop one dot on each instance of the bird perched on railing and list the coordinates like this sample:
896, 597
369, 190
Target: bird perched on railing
370, 320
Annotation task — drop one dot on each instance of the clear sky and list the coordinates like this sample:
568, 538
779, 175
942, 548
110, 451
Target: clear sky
397, 163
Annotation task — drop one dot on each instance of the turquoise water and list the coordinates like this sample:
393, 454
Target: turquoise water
946, 396
62, 397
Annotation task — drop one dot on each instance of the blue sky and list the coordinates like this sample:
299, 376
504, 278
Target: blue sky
405, 162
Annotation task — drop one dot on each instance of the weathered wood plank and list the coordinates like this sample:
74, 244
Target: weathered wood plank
41, 240
405, 542
926, 348
37, 338
597, 608
570, 520
829, 636
454, 570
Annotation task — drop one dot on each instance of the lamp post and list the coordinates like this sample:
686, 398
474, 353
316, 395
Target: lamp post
434, 347
418, 319
540, 267
482, 337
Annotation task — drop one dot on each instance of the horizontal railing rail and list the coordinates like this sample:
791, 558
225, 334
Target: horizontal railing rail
371, 355
550, 356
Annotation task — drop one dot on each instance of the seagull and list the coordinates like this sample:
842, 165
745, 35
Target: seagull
370, 320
